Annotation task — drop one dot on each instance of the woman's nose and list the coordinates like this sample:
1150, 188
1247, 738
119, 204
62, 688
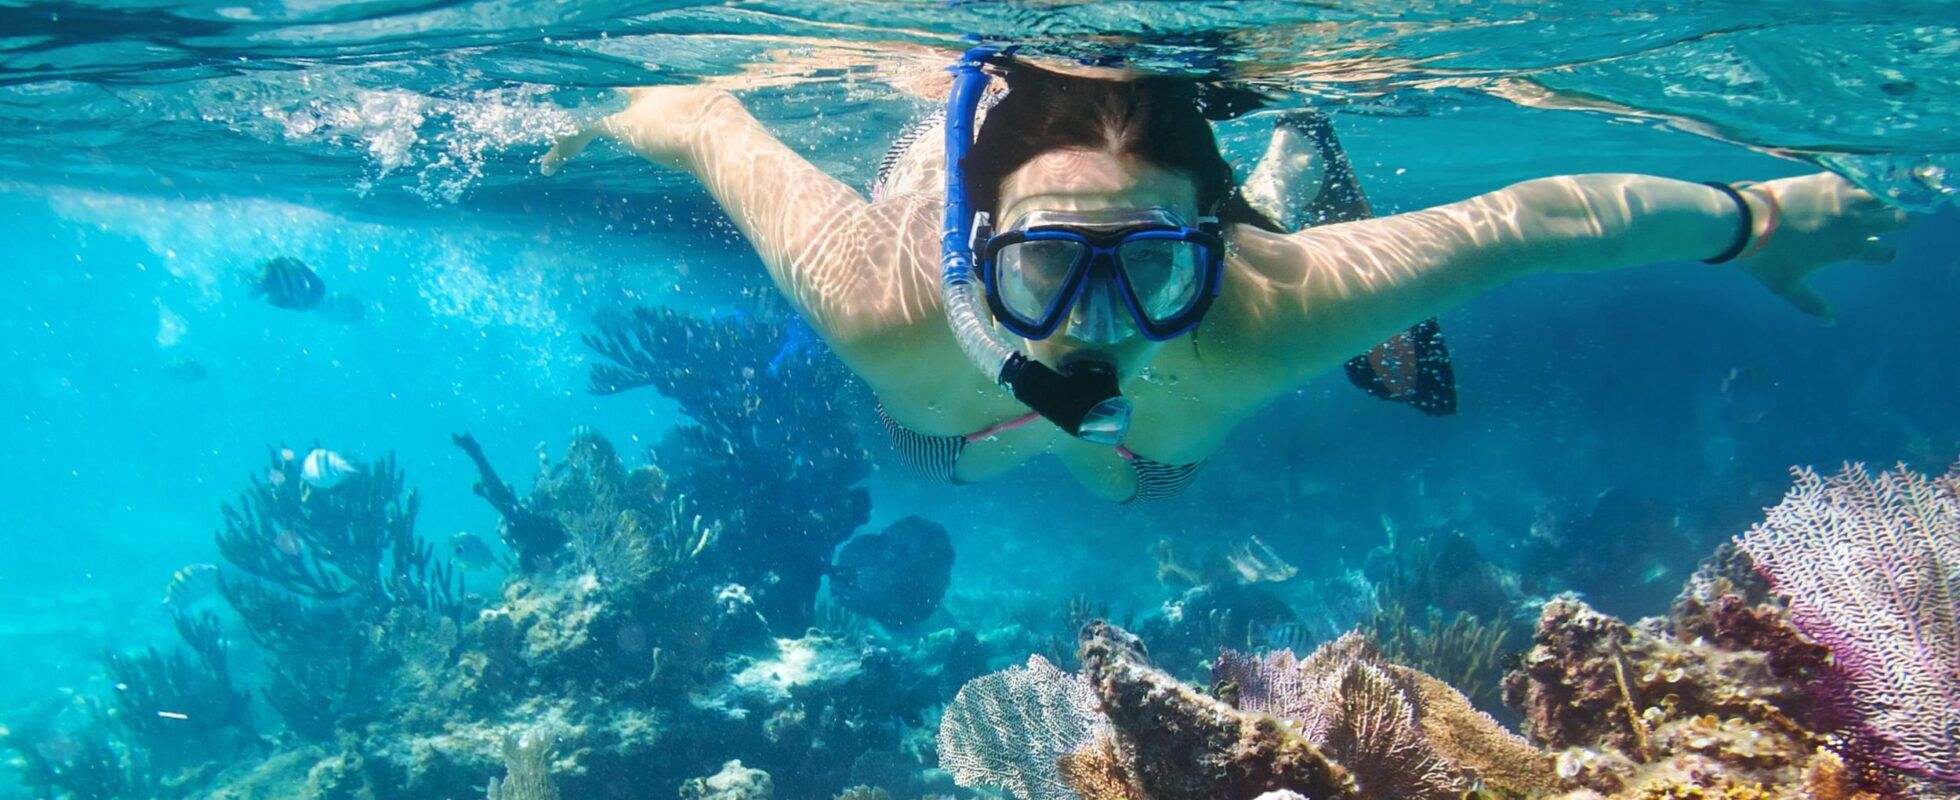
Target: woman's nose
1099, 317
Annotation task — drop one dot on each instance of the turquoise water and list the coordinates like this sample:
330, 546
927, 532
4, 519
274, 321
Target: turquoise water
152, 154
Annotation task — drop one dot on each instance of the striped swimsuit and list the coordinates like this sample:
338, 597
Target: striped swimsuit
936, 456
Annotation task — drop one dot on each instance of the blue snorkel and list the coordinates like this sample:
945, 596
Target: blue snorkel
1085, 399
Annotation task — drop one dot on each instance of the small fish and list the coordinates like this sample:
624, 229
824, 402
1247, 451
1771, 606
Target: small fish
191, 584
289, 283
287, 542
1654, 573
184, 368
471, 552
325, 469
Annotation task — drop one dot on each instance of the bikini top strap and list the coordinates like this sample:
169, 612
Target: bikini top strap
1001, 427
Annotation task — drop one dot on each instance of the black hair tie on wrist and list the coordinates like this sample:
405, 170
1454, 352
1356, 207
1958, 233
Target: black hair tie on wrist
1741, 233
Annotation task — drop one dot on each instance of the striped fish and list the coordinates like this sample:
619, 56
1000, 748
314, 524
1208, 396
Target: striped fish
289, 283
191, 584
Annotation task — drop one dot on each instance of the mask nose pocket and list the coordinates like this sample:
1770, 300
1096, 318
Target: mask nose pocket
1099, 317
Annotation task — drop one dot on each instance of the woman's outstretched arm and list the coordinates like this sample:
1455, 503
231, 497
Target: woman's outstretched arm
1303, 302
833, 254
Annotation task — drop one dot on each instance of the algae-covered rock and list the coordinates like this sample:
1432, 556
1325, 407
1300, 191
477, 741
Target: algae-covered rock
733, 782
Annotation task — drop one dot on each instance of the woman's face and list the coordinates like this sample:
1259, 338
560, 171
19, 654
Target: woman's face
1094, 180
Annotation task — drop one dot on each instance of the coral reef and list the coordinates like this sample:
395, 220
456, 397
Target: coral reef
1466, 651
1341, 723
527, 770
1440, 607
164, 698
529, 534
1439, 571
1178, 744
765, 428
1400, 731
1870, 565
67, 749
655, 623
1640, 711
733, 782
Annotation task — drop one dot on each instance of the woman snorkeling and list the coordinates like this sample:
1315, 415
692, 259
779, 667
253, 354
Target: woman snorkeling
1088, 249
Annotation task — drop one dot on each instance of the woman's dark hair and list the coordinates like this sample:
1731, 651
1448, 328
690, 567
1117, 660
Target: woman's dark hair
1160, 119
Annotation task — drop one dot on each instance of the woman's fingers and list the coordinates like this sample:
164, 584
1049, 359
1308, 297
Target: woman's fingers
1807, 300
565, 149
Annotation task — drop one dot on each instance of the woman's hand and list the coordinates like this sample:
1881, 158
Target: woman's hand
660, 123
1822, 219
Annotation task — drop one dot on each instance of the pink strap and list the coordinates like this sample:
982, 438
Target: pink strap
1001, 427
1125, 453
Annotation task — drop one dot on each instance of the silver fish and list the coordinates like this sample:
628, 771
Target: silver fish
325, 469
470, 552
191, 584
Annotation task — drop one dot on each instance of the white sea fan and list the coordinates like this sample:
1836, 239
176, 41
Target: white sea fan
1010, 728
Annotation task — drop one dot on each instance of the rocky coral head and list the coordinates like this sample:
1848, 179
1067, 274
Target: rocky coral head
1180, 743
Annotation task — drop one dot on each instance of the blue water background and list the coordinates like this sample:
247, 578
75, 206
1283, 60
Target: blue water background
121, 259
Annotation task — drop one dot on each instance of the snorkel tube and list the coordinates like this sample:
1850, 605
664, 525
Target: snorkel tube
1084, 399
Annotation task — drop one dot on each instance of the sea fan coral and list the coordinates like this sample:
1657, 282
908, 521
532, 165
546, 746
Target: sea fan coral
1011, 729
1871, 565
1403, 733
1341, 724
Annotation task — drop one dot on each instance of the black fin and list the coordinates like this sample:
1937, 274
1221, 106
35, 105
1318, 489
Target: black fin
1412, 366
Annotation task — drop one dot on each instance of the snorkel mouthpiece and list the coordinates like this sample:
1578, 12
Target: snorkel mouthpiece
1083, 398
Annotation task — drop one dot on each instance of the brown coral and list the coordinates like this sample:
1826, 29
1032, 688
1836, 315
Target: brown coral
1568, 686
1180, 744
1098, 772
1718, 717
1403, 733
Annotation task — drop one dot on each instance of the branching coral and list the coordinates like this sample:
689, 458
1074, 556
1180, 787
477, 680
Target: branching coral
167, 695
79, 762
527, 770
1871, 566
332, 572
765, 406
1466, 651
534, 537
354, 541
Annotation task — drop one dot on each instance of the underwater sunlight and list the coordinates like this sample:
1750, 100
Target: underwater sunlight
901, 400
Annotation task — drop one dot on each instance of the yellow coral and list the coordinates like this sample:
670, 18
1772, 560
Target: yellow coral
1673, 790
1097, 772
1827, 778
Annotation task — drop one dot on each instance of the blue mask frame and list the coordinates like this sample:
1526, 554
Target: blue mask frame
1100, 255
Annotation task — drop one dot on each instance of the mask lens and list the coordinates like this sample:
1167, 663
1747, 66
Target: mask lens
1032, 275
1164, 275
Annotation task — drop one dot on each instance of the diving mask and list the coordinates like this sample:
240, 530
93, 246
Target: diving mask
1054, 266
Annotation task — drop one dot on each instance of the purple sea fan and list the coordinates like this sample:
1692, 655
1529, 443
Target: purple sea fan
1871, 565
